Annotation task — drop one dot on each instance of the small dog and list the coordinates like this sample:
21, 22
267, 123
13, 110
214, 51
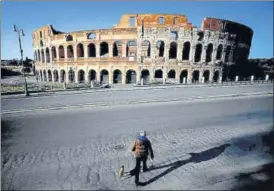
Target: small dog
121, 171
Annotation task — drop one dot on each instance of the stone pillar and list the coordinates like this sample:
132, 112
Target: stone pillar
110, 50
124, 49
214, 54
142, 81
98, 75
86, 76
192, 53
124, 77
153, 50
97, 50
110, 76
57, 53
67, 76
189, 76
211, 73
59, 75
177, 76
85, 51
184, 80
75, 51
66, 53
220, 79
50, 56
91, 84
166, 51
180, 51
203, 58
201, 73
203, 80
223, 54
236, 78
45, 56
230, 58
252, 78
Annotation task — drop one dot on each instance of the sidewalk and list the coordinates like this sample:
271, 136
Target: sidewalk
130, 87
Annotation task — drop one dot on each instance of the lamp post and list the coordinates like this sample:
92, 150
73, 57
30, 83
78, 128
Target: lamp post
21, 32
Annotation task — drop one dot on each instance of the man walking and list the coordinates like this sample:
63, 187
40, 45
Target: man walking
142, 147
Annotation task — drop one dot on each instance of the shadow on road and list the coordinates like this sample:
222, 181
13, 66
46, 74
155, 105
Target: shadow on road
195, 158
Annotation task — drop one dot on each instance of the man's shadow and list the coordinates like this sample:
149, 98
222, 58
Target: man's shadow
195, 158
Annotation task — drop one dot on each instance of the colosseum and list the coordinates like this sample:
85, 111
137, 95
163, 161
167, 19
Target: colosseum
147, 48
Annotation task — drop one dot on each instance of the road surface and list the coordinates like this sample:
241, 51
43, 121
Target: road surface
199, 144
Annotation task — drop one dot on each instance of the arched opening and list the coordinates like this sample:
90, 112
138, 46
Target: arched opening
209, 51
171, 74
63, 75
55, 76
227, 53
53, 52
71, 75
45, 75
47, 55
117, 49
198, 53
145, 75
173, 50
91, 75
158, 74
131, 49
219, 52
70, 51
161, 48
80, 50
104, 49
183, 75
41, 43
104, 77
216, 76
206, 75
50, 76
39, 56
91, 36
91, 50
146, 48
81, 76
195, 76
117, 77
61, 52
69, 38
43, 56
186, 51
131, 77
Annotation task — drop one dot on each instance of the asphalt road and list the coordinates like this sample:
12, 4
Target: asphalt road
8, 104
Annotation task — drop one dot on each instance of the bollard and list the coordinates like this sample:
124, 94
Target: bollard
237, 78
184, 80
142, 81
266, 77
91, 84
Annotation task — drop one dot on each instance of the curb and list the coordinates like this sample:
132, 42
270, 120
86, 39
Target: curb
116, 103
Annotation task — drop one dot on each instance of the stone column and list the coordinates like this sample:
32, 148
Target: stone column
59, 75
110, 76
98, 75
66, 53
164, 75
201, 73
180, 51
124, 77
110, 49
223, 54
153, 50
203, 58
230, 58
75, 51
151, 74
85, 51
214, 54
86, 75
50, 56
76, 76
189, 76
177, 76
211, 73
67, 76
192, 53
45, 56
57, 53
166, 51
97, 50
124, 49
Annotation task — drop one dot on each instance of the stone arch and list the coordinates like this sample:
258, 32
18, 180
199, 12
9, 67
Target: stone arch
158, 73
81, 76
130, 77
55, 76
209, 51
173, 50
45, 75
146, 48
63, 75
117, 76
104, 76
70, 51
69, 38
91, 75
183, 75
216, 76
145, 75
91, 50
186, 50
195, 76
117, 48
131, 49
160, 45
80, 50
47, 55
53, 52
39, 56
43, 55
171, 74
104, 49
49, 76
227, 53
206, 75
219, 52
61, 52
198, 52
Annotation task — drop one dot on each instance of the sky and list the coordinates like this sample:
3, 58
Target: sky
70, 16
